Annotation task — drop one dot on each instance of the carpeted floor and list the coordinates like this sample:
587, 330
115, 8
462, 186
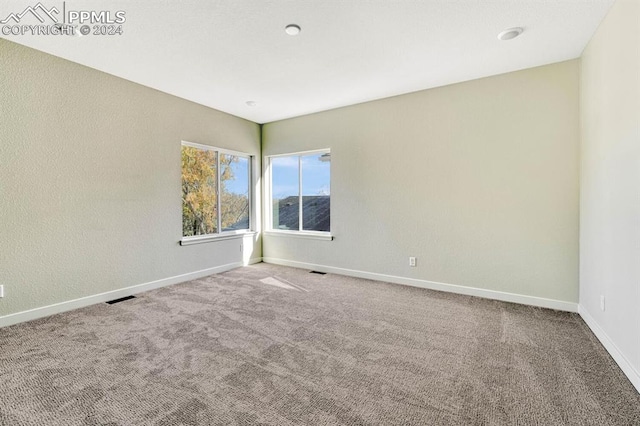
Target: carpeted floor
272, 345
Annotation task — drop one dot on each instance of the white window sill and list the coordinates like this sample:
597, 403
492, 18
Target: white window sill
187, 241
325, 236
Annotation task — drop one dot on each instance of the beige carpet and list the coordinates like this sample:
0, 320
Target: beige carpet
273, 345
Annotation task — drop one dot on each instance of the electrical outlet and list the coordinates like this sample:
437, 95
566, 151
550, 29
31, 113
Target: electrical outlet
412, 261
602, 302
1, 291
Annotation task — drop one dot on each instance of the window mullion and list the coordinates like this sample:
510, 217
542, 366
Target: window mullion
300, 210
218, 203
250, 191
267, 203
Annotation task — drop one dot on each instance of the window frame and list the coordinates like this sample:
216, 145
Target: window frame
268, 214
220, 234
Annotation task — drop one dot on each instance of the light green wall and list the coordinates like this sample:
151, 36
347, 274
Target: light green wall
610, 183
479, 180
90, 181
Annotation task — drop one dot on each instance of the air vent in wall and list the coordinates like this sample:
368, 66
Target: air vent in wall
122, 299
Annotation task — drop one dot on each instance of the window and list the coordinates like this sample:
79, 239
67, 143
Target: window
215, 191
300, 188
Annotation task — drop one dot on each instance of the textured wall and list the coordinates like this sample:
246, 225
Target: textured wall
610, 180
479, 180
90, 181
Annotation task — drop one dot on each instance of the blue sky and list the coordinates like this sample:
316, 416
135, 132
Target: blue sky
315, 176
240, 182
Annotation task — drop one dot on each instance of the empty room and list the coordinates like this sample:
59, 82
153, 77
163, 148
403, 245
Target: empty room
358, 212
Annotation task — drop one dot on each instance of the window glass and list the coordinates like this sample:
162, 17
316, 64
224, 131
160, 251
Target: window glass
316, 190
199, 192
234, 192
285, 192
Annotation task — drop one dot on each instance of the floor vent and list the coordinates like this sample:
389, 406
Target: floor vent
318, 272
122, 299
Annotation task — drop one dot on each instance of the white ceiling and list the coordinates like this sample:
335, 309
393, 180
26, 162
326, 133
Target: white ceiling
222, 53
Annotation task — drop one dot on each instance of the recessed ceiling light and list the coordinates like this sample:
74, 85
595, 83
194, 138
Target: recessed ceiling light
510, 33
251, 103
292, 29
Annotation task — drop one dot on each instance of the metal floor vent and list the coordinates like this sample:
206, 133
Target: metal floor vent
122, 299
318, 272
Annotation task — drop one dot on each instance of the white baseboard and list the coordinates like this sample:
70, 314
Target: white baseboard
57, 308
432, 285
627, 368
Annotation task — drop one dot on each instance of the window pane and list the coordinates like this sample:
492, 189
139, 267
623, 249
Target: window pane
316, 191
285, 193
234, 192
199, 203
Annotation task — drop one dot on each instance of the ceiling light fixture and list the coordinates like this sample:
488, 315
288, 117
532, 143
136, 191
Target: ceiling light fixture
510, 33
251, 103
292, 29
